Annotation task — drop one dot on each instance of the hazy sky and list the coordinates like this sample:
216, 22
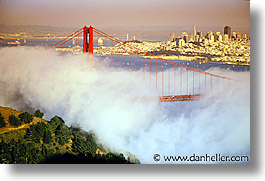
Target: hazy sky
99, 13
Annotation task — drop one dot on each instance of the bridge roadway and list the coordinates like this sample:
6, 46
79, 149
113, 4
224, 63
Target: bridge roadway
174, 98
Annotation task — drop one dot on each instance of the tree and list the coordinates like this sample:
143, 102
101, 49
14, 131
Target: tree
91, 144
14, 121
54, 122
40, 128
79, 144
2, 121
35, 132
47, 137
38, 113
29, 136
26, 117
61, 130
62, 134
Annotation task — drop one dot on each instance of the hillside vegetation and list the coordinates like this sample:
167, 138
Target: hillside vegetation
27, 138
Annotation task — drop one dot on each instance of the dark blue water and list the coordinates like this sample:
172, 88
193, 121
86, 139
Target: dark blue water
176, 81
129, 62
30, 42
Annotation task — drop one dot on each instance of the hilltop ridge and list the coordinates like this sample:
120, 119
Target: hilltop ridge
42, 141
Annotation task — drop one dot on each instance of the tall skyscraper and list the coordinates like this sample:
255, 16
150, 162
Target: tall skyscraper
190, 37
209, 35
199, 33
194, 34
227, 31
186, 38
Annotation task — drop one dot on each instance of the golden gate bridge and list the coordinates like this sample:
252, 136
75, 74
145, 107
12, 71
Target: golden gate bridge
189, 94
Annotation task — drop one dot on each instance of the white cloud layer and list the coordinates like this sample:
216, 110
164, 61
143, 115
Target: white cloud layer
100, 100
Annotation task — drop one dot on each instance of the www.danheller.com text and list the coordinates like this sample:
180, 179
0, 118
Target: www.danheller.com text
202, 158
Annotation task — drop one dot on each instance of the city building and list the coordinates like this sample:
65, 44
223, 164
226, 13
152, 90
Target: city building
219, 38
239, 36
227, 31
211, 38
180, 42
225, 37
194, 34
190, 37
184, 34
209, 35
205, 42
186, 38
199, 33
216, 36
100, 41
220, 47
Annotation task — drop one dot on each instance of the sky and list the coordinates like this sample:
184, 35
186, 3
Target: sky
132, 13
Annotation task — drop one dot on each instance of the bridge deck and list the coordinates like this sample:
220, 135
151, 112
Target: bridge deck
175, 98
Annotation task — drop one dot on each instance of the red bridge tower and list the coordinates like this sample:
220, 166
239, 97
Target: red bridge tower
88, 46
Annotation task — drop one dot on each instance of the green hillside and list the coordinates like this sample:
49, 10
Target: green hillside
26, 138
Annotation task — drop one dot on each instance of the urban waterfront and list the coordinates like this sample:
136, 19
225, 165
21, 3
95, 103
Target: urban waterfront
201, 65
